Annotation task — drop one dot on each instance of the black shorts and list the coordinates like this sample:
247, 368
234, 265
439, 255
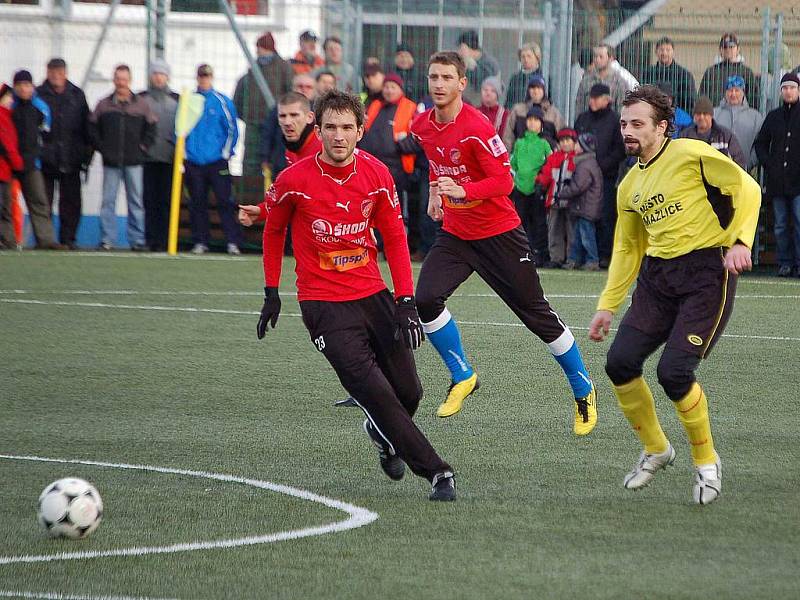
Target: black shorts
684, 301
503, 261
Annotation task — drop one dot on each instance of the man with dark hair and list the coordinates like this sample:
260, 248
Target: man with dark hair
373, 76
326, 81
668, 71
601, 73
306, 59
691, 213
414, 80
252, 109
343, 71
712, 85
122, 127
479, 65
602, 121
705, 128
296, 122
778, 149
332, 201
66, 149
470, 178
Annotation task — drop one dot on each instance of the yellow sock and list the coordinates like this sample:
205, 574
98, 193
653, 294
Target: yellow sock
693, 412
636, 401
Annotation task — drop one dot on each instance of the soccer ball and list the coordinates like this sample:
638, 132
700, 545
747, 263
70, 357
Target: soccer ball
70, 508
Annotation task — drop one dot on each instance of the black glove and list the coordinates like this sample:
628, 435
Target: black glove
269, 312
408, 325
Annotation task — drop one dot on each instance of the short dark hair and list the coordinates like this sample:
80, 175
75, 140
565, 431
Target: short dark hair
295, 98
122, 67
340, 102
658, 101
330, 39
449, 58
324, 72
665, 40
56, 63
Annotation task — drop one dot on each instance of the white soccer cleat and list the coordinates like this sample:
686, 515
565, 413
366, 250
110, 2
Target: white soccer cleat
644, 471
707, 483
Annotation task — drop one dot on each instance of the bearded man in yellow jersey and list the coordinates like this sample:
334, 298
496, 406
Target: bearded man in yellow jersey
687, 216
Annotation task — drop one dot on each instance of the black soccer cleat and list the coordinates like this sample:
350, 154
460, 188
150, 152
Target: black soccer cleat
392, 465
443, 487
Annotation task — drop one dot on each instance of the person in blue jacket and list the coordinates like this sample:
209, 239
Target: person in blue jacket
208, 147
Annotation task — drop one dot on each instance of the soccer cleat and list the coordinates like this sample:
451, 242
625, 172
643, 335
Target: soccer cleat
646, 468
585, 413
456, 394
233, 250
392, 465
443, 487
707, 482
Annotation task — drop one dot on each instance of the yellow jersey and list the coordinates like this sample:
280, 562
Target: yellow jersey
687, 197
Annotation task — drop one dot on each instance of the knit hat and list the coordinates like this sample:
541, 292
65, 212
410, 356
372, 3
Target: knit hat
266, 41
599, 89
728, 40
308, 36
536, 80
789, 79
470, 38
496, 83
703, 106
567, 133
22, 75
734, 81
536, 111
588, 142
394, 78
665, 87
403, 47
159, 65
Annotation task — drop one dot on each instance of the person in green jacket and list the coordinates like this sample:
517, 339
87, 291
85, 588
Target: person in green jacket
529, 154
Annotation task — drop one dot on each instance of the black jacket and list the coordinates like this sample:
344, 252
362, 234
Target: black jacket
610, 151
122, 131
66, 147
777, 146
28, 121
721, 138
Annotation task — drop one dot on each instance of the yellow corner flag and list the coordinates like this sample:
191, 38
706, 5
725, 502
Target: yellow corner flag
190, 109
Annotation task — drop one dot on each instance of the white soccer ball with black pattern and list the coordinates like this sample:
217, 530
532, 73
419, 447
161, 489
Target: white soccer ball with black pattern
70, 508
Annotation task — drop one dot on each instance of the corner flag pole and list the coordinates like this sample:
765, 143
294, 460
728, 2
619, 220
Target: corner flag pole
177, 171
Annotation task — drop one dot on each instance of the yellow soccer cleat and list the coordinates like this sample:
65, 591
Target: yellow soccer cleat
585, 413
456, 395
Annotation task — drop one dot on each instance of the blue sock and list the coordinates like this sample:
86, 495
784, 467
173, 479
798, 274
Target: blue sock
445, 337
572, 363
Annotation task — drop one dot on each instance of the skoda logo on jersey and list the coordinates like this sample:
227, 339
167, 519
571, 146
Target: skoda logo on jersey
321, 227
637, 197
366, 207
455, 156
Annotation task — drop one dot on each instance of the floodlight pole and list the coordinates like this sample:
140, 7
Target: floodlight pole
254, 67
99, 44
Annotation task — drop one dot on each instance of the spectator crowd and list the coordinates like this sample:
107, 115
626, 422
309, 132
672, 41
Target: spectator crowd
565, 174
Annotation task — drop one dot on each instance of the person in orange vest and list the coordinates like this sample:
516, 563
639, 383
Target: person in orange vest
306, 59
386, 132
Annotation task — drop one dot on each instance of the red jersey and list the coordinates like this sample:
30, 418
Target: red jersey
310, 147
469, 151
331, 210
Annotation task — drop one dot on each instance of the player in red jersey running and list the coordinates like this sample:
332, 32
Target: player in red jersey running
296, 120
471, 178
331, 201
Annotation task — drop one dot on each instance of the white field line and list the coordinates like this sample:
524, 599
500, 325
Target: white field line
223, 311
257, 294
57, 596
358, 517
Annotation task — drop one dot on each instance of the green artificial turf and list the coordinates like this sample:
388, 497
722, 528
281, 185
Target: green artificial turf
540, 513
